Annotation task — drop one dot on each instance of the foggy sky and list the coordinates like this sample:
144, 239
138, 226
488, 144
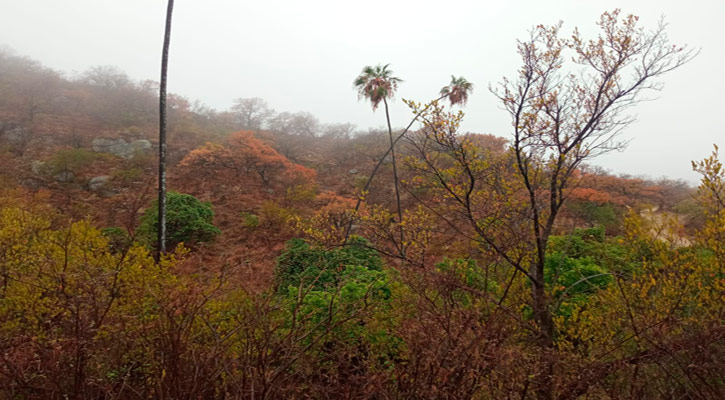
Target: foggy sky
302, 55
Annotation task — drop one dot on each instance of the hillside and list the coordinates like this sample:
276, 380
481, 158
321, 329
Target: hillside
318, 261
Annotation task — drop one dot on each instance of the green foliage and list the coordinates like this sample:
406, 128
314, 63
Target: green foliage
188, 221
322, 269
609, 252
128, 175
607, 215
335, 293
469, 273
353, 283
576, 266
301, 193
360, 181
580, 243
71, 160
250, 220
575, 275
274, 214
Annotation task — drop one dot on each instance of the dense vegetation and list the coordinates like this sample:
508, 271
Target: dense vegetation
466, 266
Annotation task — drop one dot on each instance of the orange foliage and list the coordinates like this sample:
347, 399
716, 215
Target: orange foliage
604, 188
589, 194
244, 156
329, 223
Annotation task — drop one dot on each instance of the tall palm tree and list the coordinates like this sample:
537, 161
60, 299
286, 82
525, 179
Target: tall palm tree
161, 228
378, 84
457, 91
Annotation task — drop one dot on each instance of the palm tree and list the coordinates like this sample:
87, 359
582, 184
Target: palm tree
370, 85
161, 228
457, 91
378, 84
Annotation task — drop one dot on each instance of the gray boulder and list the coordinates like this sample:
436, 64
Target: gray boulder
98, 182
120, 147
141, 145
32, 183
17, 135
38, 167
64, 177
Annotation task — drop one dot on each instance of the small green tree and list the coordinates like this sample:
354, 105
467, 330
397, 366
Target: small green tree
71, 160
188, 220
323, 269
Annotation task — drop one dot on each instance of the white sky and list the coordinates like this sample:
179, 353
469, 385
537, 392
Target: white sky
303, 56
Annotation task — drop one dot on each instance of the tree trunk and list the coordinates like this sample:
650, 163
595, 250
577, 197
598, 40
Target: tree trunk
161, 228
395, 179
544, 379
380, 162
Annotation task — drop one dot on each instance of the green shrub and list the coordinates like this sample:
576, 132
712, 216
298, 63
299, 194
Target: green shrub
71, 160
274, 214
573, 280
337, 284
188, 221
323, 269
128, 175
607, 215
250, 220
469, 273
580, 243
580, 263
301, 193
360, 182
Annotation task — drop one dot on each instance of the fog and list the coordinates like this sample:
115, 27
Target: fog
303, 56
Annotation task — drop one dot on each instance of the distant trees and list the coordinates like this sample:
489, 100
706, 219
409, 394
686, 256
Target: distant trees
28, 93
106, 76
71, 160
250, 113
255, 114
342, 130
298, 124
110, 97
27, 89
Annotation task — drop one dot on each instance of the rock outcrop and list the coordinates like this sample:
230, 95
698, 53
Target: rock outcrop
120, 147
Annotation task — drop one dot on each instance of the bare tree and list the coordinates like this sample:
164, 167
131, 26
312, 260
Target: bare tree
251, 113
303, 124
341, 130
562, 119
106, 76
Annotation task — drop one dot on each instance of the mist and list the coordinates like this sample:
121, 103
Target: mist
303, 56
